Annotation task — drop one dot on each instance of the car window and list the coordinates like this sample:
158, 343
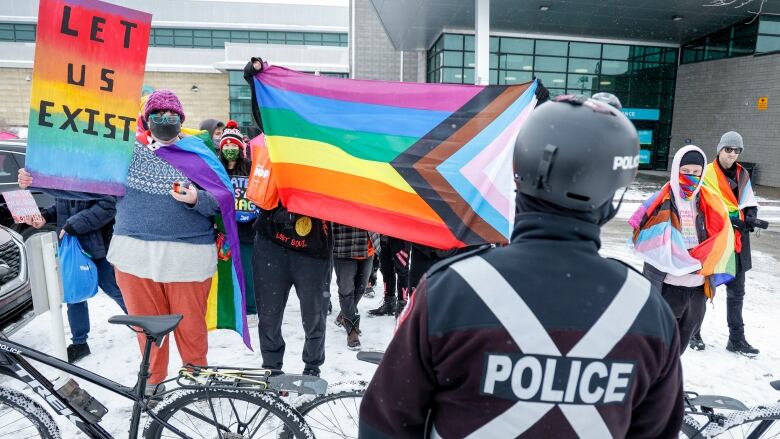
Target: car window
8, 168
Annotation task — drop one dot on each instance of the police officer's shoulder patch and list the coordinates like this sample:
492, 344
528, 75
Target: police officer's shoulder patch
442, 265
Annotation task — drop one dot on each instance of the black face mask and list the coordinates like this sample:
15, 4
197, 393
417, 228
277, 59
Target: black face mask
165, 131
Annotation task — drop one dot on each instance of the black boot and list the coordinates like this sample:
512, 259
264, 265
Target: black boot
741, 347
696, 343
386, 309
353, 332
77, 351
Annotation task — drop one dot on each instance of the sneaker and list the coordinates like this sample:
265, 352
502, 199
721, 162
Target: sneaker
741, 347
387, 308
252, 320
696, 343
77, 351
369, 292
400, 308
353, 340
339, 320
311, 372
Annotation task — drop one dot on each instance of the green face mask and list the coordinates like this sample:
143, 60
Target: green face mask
230, 154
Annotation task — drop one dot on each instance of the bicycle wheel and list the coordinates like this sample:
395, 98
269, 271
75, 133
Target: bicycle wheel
22, 417
229, 414
758, 422
334, 415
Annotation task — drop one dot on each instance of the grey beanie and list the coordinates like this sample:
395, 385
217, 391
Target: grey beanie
732, 139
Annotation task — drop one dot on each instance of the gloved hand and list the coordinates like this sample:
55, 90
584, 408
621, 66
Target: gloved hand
739, 224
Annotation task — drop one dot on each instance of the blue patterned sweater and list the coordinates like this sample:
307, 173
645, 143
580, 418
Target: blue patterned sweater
148, 211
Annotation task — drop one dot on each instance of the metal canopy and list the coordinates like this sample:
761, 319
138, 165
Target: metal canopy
415, 24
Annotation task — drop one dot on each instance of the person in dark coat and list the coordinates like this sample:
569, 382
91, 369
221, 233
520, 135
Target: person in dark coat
92, 223
542, 338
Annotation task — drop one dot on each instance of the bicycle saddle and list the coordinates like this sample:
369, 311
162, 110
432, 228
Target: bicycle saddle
156, 327
775, 384
370, 356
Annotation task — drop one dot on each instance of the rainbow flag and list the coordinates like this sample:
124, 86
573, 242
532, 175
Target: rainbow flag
87, 78
226, 303
716, 180
428, 163
658, 239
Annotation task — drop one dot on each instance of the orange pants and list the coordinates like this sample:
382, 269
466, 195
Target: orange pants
146, 297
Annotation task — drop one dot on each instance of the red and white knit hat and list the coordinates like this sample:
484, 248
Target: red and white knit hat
231, 134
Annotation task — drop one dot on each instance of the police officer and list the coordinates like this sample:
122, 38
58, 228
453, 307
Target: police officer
543, 337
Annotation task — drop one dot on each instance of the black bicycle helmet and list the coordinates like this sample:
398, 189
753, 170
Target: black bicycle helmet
576, 152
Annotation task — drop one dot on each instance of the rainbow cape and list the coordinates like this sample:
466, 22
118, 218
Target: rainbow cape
716, 180
658, 239
194, 159
428, 163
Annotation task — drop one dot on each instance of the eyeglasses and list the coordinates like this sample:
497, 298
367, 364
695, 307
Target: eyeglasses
164, 119
730, 149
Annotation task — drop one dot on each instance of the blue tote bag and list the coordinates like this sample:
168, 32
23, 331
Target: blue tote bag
79, 273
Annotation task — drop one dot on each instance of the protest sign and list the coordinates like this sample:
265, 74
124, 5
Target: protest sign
245, 209
86, 91
22, 206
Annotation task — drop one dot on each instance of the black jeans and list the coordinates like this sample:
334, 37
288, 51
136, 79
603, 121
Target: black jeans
276, 270
688, 305
735, 297
394, 261
351, 278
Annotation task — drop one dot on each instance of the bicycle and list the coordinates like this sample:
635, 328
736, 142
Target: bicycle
728, 417
214, 402
335, 414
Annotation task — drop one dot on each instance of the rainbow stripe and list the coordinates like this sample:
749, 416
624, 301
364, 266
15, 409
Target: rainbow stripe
658, 240
83, 155
429, 163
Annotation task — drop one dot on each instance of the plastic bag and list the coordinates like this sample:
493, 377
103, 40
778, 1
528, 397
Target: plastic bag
79, 273
262, 188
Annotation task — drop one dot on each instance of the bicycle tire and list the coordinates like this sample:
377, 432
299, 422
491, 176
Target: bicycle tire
25, 407
194, 406
739, 424
334, 415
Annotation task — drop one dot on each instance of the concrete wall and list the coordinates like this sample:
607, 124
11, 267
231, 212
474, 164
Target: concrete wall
15, 92
375, 56
210, 101
713, 97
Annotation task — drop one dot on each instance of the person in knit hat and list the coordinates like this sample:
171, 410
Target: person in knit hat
214, 128
231, 147
731, 181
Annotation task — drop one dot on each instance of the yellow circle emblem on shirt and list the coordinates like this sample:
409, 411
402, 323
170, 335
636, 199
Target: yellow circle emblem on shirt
303, 226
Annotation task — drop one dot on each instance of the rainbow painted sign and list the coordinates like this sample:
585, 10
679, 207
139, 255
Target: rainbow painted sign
86, 91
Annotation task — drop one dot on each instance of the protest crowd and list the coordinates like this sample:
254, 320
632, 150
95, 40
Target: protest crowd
466, 315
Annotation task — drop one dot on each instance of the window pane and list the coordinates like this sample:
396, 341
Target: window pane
468, 59
201, 33
515, 77
546, 47
547, 63
163, 41
165, 32
258, 37
276, 37
769, 26
25, 35
453, 42
182, 41
556, 92
582, 83
312, 39
767, 44
201, 42
494, 77
612, 51
235, 77
743, 46
450, 75
6, 32
517, 62
344, 38
585, 50
330, 37
579, 65
452, 59
517, 45
468, 76
468, 42
614, 67
494, 44
493, 61
552, 79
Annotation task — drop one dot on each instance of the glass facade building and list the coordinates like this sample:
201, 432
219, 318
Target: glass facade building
754, 37
643, 77
201, 38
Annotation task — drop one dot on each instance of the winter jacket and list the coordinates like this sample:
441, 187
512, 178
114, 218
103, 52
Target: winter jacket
542, 338
246, 233
91, 221
352, 243
296, 232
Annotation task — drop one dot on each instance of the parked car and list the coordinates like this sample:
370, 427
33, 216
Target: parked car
16, 307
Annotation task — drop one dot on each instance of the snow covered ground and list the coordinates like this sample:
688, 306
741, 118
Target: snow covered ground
115, 353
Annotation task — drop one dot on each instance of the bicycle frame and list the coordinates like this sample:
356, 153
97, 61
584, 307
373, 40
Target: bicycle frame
14, 364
